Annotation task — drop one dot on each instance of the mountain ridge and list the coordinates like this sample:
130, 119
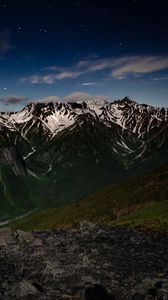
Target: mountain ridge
106, 111
61, 152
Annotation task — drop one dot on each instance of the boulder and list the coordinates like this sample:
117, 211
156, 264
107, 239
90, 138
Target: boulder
23, 236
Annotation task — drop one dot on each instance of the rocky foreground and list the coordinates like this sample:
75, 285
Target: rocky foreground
87, 263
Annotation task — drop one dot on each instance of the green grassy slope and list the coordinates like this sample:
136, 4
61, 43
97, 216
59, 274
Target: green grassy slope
154, 216
139, 201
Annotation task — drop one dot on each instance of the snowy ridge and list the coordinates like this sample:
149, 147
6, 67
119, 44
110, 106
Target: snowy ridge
55, 117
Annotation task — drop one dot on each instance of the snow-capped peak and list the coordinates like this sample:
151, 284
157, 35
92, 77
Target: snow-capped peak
54, 117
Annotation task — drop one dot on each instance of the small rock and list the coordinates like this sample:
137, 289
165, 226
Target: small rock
86, 226
87, 279
53, 269
26, 288
38, 242
6, 236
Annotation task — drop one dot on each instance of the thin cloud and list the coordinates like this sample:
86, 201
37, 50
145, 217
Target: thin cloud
68, 74
8, 100
52, 68
89, 83
51, 78
83, 64
140, 65
117, 68
161, 78
47, 99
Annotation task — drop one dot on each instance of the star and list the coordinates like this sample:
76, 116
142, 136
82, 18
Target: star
19, 29
43, 30
83, 28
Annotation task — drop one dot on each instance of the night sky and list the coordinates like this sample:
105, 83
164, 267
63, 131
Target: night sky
58, 48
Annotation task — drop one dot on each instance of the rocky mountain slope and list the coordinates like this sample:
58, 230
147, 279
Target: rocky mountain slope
85, 263
56, 153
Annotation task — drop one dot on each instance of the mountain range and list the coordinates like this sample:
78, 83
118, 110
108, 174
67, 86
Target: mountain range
54, 154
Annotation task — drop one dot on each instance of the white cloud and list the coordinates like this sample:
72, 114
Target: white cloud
47, 99
79, 96
118, 68
74, 97
140, 65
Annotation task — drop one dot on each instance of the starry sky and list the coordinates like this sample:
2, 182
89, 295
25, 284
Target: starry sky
65, 49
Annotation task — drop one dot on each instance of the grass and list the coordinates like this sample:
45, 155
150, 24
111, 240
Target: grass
140, 202
153, 217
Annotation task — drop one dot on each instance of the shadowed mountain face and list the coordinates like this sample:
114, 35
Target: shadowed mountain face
56, 153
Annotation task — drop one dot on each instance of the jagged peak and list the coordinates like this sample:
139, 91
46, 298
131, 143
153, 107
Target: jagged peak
97, 103
126, 100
